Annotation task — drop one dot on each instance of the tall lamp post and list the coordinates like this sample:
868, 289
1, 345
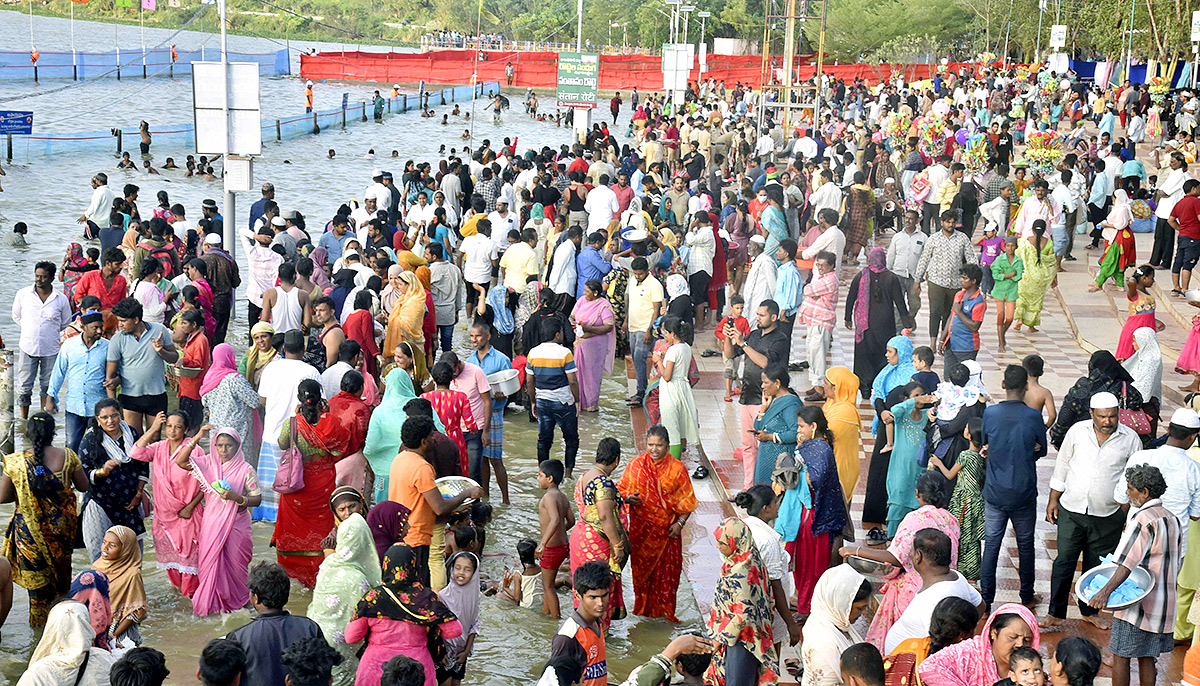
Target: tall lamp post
704, 15
687, 13
674, 5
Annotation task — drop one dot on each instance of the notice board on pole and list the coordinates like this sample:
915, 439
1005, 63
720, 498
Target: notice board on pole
239, 132
578, 79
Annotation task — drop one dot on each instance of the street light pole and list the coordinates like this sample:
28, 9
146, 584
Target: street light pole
1041, 8
230, 211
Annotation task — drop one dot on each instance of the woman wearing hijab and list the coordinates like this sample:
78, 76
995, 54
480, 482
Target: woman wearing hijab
538, 222
121, 563
360, 327
225, 543
320, 275
343, 284
177, 517
875, 295
260, 353
1146, 368
1120, 251
401, 616
838, 601
65, 655
953, 620
344, 577
388, 522
91, 588
679, 298
462, 597
1105, 374
117, 481
227, 396
528, 302
841, 413
494, 311
741, 616
898, 372
595, 347
983, 660
406, 322
383, 433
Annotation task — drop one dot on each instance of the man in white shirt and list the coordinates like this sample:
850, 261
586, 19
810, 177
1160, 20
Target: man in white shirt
563, 272
938, 174
1183, 473
479, 256
364, 213
831, 239
42, 313
377, 189
601, 204
760, 279
827, 196
349, 358
1170, 190
1089, 464
277, 392
264, 268
765, 145
903, 256
503, 221
1064, 204
96, 214
931, 558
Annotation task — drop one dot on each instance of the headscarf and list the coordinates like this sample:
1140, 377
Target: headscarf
257, 359
954, 398
975, 380
538, 211
91, 588
386, 520
828, 632
343, 284
360, 327
126, 591
402, 596
408, 316
502, 317
677, 286
741, 611
463, 600
66, 643
971, 662
1103, 368
529, 302
383, 432
342, 493
1120, 216
668, 237
319, 256
344, 577
1146, 366
75, 258
893, 376
223, 364
876, 264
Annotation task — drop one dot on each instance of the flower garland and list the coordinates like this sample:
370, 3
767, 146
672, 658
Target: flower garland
896, 128
1044, 151
931, 137
1159, 87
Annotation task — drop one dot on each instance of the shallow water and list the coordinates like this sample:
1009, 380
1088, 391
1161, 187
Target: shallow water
48, 193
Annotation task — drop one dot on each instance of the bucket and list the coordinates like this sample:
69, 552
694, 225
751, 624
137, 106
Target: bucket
506, 381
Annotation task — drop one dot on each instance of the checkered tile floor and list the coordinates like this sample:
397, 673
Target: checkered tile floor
1065, 363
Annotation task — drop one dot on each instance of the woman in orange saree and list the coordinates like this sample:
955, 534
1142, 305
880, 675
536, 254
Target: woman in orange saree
659, 492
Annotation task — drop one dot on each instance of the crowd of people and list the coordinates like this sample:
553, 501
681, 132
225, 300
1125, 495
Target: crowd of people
348, 407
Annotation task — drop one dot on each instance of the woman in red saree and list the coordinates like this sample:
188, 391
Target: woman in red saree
360, 327
659, 492
304, 516
348, 409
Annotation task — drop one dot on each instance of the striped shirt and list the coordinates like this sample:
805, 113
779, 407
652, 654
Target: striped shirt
1151, 540
550, 364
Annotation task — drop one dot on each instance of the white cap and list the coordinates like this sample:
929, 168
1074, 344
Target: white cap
278, 221
369, 195
309, 83
396, 86
1186, 418
758, 238
1103, 401
215, 239
888, 180
376, 172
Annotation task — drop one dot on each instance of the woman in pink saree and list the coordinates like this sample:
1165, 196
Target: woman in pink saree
595, 346
983, 660
176, 497
230, 487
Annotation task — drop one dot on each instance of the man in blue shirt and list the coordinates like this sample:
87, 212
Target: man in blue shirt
490, 360
259, 207
82, 363
1015, 436
335, 238
590, 263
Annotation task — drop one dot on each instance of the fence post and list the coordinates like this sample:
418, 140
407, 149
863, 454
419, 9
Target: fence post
343, 117
364, 110
118, 133
278, 132
316, 126
404, 105
9, 146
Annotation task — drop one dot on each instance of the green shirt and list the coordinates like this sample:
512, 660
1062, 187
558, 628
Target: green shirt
1005, 289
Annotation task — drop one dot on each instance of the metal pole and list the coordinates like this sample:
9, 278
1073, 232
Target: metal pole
229, 239
1038, 52
1007, 32
579, 26
1129, 53
74, 60
142, 20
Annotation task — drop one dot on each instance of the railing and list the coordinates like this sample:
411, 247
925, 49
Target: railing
429, 43
127, 63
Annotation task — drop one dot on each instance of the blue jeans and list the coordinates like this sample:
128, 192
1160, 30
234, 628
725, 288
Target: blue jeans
995, 523
474, 441
640, 351
75, 426
447, 335
549, 413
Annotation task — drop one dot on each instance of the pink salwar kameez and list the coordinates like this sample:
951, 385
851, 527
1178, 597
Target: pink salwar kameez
176, 540
225, 543
594, 354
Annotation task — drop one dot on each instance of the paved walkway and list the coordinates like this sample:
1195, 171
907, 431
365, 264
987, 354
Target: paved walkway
1074, 323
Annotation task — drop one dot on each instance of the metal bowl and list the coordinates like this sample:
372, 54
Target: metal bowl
872, 569
450, 486
1192, 295
1139, 575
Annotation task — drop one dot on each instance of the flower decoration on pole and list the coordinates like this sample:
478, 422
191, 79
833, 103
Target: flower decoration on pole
1044, 151
1159, 87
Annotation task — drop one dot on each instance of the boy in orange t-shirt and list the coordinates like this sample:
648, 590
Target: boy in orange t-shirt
735, 319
